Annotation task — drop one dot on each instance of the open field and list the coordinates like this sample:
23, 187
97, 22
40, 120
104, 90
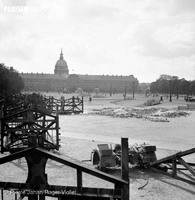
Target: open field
81, 133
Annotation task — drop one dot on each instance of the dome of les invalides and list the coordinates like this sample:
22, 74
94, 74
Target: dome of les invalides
61, 66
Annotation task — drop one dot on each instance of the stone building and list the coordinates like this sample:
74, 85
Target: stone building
62, 81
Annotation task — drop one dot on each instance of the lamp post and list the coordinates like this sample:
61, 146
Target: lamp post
125, 91
110, 89
177, 82
170, 91
133, 89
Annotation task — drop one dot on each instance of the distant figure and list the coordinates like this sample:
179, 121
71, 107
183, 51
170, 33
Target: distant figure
161, 98
90, 99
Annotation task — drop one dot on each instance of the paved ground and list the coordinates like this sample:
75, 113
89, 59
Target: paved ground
81, 133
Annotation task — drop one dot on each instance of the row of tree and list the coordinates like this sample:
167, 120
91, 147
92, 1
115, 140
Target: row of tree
10, 80
172, 84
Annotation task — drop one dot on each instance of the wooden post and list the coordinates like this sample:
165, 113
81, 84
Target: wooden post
82, 105
125, 168
79, 180
174, 167
41, 141
33, 197
57, 134
2, 136
62, 104
73, 103
41, 197
57, 128
57, 110
2, 194
32, 141
52, 104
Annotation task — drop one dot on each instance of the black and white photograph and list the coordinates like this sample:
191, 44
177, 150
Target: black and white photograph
97, 99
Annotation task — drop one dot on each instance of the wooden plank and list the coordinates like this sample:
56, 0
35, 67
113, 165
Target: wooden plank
16, 155
163, 160
186, 166
124, 158
79, 180
1, 194
41, 197
26, 129
11, 117
176, 177
2, 136
57, 132
33, 197
187, 175
174, 167
125, 168
189, 163
187, 152
83, 167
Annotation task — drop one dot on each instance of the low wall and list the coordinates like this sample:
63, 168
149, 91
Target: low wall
187, 107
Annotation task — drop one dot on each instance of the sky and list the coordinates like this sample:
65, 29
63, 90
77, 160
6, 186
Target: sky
144, 38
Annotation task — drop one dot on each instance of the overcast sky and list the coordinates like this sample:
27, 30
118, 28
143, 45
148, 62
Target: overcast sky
145, 38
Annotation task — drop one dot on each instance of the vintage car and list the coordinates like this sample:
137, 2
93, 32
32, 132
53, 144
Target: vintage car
189, 98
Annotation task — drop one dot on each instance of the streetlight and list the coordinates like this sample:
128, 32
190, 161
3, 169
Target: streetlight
110, 89
170, 90
125, 91
133, 89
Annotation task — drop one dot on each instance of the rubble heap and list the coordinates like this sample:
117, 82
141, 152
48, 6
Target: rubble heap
151, 114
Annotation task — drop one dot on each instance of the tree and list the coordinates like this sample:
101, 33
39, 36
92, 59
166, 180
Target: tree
10, 80
192, 88
184, 88
178, 86
164, 77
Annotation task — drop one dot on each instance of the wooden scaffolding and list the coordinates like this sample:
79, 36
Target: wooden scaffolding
36, 186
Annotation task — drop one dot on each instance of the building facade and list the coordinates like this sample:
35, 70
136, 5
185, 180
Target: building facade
62, 81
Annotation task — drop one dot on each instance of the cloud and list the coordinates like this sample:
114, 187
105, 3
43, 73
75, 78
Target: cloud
20, 46
182, 7
178, 39
89, 10
170, 40
14, 2
104, 37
